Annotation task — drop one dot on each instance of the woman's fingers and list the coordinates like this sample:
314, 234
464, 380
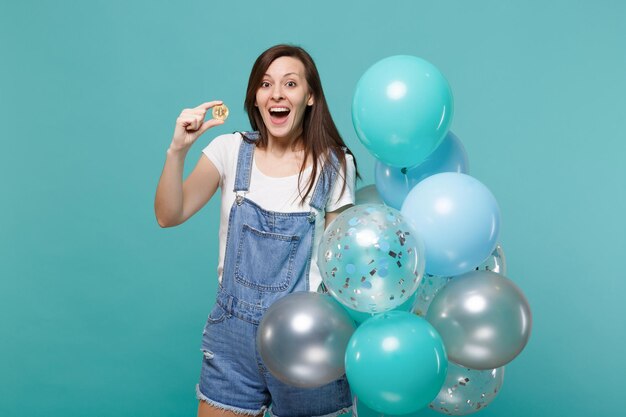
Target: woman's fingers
209, 124
202, 109
206, 106
191, 122
196, 115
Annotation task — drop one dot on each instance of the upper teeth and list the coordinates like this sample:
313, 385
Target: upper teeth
279, 109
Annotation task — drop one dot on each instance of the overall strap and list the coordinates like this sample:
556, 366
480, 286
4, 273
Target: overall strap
327, 177
244, 161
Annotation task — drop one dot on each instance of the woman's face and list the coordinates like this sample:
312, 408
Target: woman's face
283, 97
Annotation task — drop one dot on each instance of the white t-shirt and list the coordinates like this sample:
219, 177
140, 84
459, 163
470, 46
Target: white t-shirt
274, 194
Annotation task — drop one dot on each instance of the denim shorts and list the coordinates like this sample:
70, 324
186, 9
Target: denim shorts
234, 378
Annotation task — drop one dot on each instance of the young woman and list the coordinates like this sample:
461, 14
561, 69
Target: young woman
281, 184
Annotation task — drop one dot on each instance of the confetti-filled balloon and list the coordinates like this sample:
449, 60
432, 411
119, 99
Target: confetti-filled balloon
430, 285
371, 258
302, 339
496, 262
396, 363
467, 391
483, 318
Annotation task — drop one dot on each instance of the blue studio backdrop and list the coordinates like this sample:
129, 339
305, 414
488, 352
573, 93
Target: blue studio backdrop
101, 311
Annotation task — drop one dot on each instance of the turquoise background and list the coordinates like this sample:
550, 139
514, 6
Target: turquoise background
101, 311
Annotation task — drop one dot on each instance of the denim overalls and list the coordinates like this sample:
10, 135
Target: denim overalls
268, 256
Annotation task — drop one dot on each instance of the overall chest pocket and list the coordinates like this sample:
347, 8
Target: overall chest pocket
265, 261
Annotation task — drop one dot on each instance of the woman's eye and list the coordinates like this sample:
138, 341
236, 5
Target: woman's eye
265, 84
290, 84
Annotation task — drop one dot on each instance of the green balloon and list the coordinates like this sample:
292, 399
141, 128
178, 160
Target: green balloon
361, 410
396, 363
402, 109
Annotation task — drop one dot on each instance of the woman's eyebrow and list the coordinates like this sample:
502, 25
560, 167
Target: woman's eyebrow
285, 75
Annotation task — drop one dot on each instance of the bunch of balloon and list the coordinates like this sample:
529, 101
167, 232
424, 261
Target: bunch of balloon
371, 261
484, 321
402, 110
482, 317
465, 390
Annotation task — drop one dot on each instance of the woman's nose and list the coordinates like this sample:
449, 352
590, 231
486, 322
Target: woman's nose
277, 93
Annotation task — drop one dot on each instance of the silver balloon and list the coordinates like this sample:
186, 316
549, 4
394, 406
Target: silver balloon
496, 262
467, 391
483, 318
302, 339
368, 195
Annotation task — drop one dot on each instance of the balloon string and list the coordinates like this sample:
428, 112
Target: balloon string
406, 177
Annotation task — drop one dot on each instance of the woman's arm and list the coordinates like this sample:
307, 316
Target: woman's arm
176, 201
330, 216
340, 196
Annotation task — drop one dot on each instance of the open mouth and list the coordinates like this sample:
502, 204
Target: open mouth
279, 114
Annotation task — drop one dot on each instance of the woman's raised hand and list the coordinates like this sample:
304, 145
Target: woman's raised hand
191, 124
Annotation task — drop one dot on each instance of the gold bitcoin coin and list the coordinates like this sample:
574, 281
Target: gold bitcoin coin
220, 112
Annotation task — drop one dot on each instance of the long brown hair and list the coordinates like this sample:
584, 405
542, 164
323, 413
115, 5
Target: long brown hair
319, 133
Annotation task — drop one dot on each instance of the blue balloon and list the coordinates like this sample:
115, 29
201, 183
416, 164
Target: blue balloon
396, 363
458, 219
402, 109
393, 184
